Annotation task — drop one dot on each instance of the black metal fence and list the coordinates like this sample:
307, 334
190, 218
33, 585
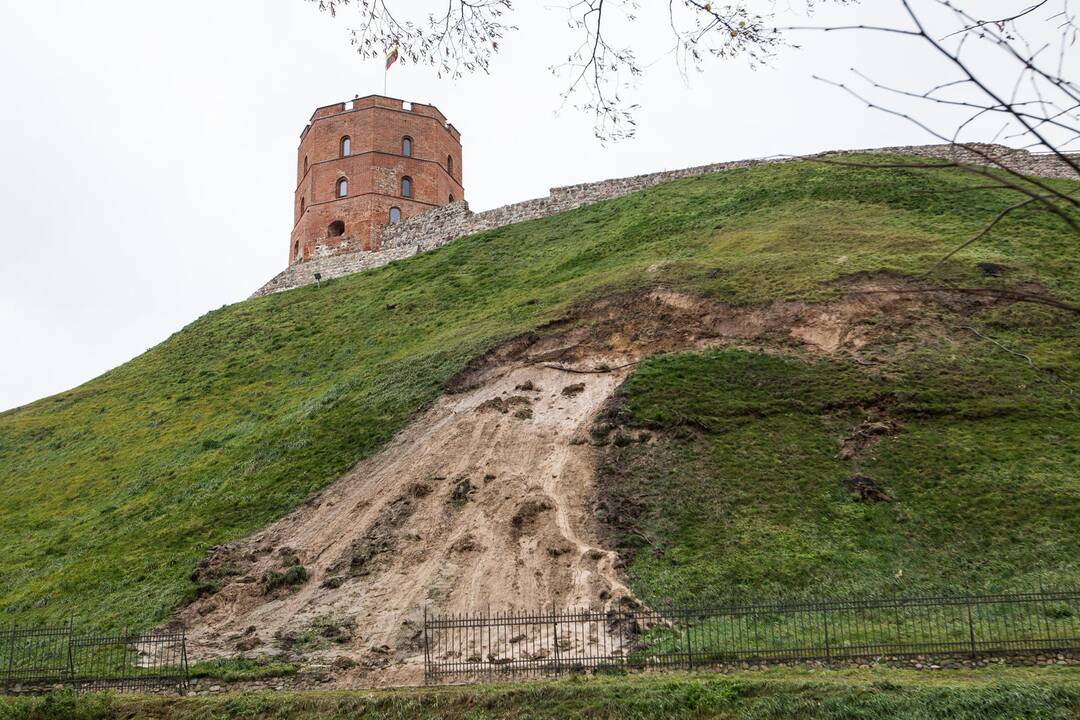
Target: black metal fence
44, 658
480, 647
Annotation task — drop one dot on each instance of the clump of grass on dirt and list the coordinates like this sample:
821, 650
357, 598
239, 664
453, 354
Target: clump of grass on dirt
291, 574
242, 669
111, 492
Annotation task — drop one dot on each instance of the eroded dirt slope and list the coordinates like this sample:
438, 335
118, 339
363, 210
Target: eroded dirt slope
485, 499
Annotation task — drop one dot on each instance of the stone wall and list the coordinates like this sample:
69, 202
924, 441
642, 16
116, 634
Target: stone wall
450, 222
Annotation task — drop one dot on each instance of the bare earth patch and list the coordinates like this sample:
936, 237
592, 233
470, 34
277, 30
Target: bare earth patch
484, 500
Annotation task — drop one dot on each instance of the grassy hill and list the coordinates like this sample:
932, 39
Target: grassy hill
111, 492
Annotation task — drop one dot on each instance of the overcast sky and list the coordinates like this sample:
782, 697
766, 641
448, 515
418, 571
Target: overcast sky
148, 148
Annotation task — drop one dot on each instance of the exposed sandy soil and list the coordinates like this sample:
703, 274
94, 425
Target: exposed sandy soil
484, 499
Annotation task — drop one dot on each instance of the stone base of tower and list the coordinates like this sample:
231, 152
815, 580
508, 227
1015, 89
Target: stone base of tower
423, 232
303, 273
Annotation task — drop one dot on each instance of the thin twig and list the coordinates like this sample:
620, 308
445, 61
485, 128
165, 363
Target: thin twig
598, 371
1003, 293
981, 234
1006, 349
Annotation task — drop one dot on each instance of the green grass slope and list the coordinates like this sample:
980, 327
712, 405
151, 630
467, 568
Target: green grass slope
110, 493
773, 695
746, 493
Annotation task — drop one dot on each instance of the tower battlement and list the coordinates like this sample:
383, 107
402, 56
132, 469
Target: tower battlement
368, 163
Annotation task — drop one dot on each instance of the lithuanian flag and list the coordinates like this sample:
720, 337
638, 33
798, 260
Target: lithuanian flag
391, 57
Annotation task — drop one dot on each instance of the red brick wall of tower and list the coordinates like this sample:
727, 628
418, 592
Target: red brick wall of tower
374, 168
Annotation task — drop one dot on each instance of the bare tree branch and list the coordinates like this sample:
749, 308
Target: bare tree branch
461, 38
1038, 107
998, 21
600, 72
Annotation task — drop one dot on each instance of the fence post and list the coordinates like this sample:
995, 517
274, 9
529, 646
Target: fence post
825, 615
555, 639
689, 650
899, 634
71, 653
186, 682
11, 660
1044, 614
971, 626
427, 650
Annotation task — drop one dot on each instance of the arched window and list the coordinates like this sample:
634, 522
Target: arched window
406, 187
395, 215
450, 164
305, 164
342, 187
296, 250
451, 198
303, 204
346, 146
336, 229
406, 146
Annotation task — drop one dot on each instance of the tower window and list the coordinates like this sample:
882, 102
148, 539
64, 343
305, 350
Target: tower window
303, 204
450, 164
336, 229
305, 164
451, 198
395, 215
342, 187
346, 146
296, 250
406, 187
406, 146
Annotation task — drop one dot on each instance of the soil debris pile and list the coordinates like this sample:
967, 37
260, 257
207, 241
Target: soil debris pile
486, 499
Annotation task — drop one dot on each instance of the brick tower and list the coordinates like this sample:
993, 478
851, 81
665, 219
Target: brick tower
368, 163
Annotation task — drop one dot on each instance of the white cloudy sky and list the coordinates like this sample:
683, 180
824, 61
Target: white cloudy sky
148, 148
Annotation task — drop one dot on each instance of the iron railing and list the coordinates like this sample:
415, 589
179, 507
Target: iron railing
477, 647
44, 658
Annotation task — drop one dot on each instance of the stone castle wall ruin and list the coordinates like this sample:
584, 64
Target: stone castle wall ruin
444, 224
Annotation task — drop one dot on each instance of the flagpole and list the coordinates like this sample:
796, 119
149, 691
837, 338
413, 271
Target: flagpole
391, 58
